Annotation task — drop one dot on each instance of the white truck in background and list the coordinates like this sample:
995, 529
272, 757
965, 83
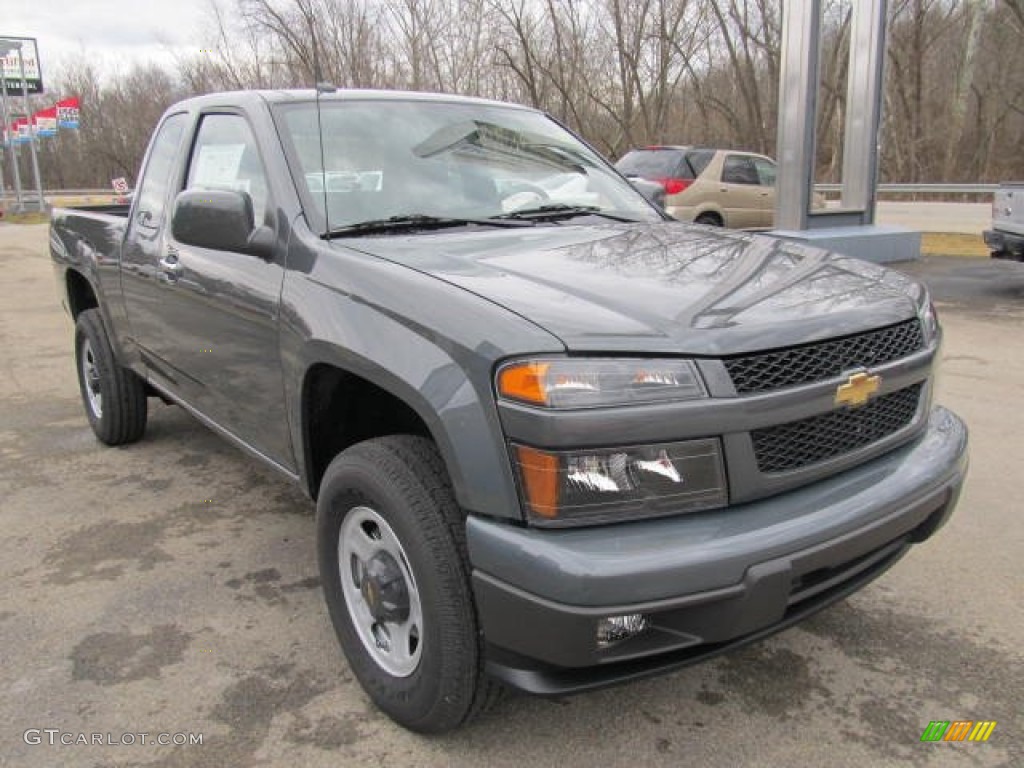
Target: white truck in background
1006, 238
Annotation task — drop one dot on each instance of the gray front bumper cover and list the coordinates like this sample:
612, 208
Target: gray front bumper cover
708, 581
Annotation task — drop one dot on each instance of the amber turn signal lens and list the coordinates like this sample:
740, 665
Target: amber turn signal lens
539, 472
524, 381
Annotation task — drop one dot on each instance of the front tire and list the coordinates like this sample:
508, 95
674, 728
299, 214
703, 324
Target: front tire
113, 396
393, 563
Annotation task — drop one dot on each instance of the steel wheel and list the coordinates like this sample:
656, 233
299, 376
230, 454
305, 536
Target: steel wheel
91, 379
380, 591
113, 397
396, 580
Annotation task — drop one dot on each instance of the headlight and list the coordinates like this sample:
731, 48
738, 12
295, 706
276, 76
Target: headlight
929, 320
572, 383
930, 331
589, 486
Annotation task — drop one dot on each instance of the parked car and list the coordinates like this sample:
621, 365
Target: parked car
721, 187
556, 440
1006, 238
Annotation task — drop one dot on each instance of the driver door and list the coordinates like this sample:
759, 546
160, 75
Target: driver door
218, 310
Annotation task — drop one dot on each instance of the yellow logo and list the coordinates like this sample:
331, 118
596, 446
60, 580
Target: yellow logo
857, 390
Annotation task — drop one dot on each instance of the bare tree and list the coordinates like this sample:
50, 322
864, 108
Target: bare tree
620, 72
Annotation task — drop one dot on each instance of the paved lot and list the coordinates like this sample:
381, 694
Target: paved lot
171, 587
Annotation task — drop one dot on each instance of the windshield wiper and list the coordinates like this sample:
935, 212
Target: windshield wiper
556, 211
415, 221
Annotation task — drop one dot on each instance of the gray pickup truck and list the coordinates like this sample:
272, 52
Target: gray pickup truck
556, 440
1006, 238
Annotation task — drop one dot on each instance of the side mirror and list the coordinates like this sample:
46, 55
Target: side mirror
219, 219
652, 190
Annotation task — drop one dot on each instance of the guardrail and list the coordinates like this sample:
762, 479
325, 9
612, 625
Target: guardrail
923, 189
61, 192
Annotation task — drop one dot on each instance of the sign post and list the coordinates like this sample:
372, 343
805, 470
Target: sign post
15, 173
849, 229
31, 131
22, 74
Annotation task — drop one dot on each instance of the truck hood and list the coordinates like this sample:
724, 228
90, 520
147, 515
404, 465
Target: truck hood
660, 288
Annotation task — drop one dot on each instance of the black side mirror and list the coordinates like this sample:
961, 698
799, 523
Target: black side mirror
219, 219
652, 190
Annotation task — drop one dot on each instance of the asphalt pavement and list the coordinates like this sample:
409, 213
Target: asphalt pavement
170, 587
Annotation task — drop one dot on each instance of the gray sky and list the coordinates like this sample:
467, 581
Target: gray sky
113, 33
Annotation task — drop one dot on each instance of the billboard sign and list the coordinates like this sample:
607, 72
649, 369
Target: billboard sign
67, 112
46, 122
12, 65
19, 130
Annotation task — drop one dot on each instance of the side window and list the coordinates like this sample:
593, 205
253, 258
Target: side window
225, 157
152, 193
683, 169
699, 160
765, 171
739, 169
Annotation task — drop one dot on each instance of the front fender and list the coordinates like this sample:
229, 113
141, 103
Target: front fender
432, 345
462, 423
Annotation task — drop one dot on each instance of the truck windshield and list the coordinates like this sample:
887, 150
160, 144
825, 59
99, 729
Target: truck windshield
382, 159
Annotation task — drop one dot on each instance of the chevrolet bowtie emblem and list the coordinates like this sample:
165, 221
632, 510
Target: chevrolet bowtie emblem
857, 390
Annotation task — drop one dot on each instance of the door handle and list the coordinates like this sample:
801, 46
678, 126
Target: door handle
170, 265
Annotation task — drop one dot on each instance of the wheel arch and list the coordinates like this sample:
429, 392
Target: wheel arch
79, 292
344, 399
710, 210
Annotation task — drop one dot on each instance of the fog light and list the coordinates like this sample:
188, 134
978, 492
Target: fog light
615, 629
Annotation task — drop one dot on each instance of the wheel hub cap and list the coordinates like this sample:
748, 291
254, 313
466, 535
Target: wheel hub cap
380, 591
384, 590
91, 380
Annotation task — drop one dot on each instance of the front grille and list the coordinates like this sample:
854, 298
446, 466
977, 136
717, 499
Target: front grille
806, 363
801, 443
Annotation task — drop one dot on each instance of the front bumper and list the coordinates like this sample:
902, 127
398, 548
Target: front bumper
707, 582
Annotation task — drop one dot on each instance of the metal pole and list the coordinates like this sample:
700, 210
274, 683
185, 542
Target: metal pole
31, 132
10, 145
863, 100
798, 92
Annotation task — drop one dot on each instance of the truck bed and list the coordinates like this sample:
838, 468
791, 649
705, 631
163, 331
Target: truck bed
89, 234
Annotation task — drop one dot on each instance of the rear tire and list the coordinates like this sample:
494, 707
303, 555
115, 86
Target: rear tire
395, 574
113, 396
709, 219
